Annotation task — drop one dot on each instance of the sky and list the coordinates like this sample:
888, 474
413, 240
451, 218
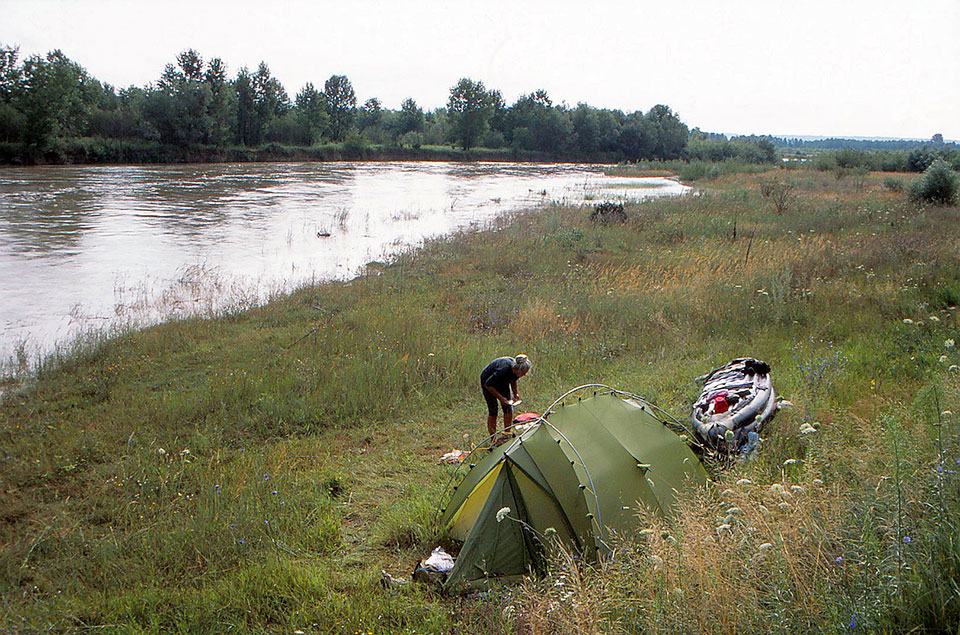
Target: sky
874, 68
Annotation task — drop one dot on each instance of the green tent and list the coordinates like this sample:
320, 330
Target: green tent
583, 470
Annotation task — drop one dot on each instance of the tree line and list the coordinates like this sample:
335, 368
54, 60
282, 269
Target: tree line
48, 101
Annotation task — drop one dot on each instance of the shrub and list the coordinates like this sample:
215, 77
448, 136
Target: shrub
892, 184
779, 192
938, 185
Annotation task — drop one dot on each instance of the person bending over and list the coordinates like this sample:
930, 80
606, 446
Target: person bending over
498, 382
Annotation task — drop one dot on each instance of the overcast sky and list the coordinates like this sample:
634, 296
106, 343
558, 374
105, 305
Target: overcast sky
810, 67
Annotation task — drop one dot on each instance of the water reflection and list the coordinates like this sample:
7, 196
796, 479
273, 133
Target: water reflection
87, 246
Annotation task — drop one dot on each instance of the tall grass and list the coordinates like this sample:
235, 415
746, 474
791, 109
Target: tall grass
340, 397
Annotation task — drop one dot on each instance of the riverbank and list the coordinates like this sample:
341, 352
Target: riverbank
96, 151
258, 471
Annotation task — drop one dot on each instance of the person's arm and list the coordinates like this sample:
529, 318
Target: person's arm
516, 391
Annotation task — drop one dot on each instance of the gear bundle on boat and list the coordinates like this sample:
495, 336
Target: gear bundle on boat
737, 399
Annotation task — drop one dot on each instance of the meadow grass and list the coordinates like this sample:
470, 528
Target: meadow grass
255, 472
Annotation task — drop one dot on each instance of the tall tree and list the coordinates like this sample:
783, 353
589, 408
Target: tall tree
222, 106
52, 97
371, 114
671, 133
469, 108
411, 117
312, 106
341, 105
248, 132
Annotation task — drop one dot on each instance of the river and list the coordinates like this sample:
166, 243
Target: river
91, 248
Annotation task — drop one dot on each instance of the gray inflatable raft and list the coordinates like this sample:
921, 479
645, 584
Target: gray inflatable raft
737, 399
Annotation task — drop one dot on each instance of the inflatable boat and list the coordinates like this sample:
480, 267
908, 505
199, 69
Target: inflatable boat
736, 401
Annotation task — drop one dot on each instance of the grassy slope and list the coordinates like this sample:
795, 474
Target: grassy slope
257, 471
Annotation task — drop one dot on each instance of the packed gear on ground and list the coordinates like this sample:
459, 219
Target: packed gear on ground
736, 401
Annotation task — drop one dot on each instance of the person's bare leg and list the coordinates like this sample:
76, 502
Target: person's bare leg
492, 424
507, 420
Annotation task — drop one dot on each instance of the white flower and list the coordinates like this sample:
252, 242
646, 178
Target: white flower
907, 321
184, 452
502, 513
161, 452
806, 428
949, 343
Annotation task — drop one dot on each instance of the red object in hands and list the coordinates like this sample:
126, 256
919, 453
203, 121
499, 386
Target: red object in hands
720, 404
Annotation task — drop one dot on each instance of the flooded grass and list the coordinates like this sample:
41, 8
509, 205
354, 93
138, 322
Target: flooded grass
256, 471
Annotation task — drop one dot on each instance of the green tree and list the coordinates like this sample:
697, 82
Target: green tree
9, 73
371, 114
51, 98
312, 106
221, 109
341, 105
248, 132
469, 110
411, 117
669, 132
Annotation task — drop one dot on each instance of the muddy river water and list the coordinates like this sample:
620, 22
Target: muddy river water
94, 248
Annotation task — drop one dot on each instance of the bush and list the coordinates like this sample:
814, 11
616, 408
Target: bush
892, 184
937, 186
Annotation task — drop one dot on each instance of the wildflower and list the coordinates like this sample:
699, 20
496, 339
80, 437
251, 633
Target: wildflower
765, 547
184, 452
266, 477
907, 540
949, 343
549, 531
933, 318
806, 428
274, 492
502, 513
242, 542
789, 462
430, 355
161, 452
839, 559
907, 321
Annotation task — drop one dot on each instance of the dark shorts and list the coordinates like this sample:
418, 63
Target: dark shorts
493, 402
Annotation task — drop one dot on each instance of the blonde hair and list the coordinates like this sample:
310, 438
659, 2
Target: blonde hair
523, 362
